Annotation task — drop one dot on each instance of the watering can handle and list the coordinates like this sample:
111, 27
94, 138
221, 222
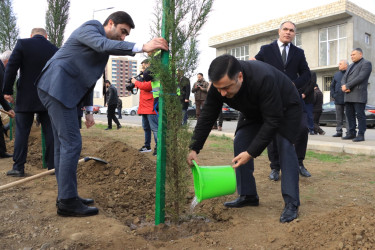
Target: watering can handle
195, 164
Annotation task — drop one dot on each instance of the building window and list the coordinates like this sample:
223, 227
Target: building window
327, 83
241, 53
332, 45
297, 41
367, 38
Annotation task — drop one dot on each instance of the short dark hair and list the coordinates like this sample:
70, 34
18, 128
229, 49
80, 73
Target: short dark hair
106, 81
359, 50
120, 17
200, 74
224, 65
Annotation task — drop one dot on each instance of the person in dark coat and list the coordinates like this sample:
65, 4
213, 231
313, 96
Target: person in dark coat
29, 56
338, 96
112, 101
270, 109
184, 85
354, 83
317, 111
4, 59
200, 93
308, 98
6, 107
119, 108
290, 60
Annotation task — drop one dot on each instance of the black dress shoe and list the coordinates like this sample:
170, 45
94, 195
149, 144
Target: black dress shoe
303, 171
74, 207
359, 138
289, 213
338, 134
274, 175
83, 200
5, 155
119, 126
16, 173
107, 128
348, 137
243, 200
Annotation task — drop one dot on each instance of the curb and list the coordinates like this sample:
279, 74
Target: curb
318, 145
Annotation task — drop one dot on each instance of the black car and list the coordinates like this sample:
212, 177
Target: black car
228, 112
328, 116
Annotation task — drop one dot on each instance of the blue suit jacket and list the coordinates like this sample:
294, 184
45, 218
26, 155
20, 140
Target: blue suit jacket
29, 56
335, 89
70, 75
296, 67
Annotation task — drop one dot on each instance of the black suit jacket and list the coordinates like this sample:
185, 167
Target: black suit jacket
296, 67
266, 97
29, 56
3, 102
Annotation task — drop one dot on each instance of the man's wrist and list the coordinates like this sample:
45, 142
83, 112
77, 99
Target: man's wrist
89, 112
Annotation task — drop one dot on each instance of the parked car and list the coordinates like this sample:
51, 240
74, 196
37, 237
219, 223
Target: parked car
104, 110
328, 116
228, 112
130, 111
96, 108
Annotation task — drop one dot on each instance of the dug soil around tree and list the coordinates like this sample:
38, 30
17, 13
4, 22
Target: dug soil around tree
337, 203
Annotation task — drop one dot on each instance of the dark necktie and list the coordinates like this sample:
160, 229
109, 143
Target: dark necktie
283, 54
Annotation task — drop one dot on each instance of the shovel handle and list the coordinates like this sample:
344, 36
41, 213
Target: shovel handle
15, 183
51, 171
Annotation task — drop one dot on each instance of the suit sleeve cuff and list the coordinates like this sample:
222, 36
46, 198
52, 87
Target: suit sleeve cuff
89, 108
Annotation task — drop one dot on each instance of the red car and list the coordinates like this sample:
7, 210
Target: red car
95, 108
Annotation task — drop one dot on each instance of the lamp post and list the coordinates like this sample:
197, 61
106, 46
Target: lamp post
93, 12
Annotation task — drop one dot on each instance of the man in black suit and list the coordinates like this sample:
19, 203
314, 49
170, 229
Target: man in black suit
290, 60
271, 108
6, 107
29, 56
112, 100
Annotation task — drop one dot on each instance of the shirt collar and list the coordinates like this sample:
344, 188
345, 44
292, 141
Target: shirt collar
280, 44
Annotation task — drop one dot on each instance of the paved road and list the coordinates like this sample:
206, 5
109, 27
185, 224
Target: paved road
317, 142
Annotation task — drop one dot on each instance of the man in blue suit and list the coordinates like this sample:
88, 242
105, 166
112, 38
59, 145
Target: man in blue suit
68, 78
290, 60
29, 56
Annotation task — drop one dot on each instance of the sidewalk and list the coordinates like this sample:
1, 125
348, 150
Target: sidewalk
321, 142
330, 144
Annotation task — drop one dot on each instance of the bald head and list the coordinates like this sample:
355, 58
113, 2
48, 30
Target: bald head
38, 31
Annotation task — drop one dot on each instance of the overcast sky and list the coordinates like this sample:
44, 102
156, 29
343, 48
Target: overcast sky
226, 15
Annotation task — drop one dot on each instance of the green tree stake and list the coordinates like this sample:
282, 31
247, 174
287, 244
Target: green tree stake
43, 148
161, 150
